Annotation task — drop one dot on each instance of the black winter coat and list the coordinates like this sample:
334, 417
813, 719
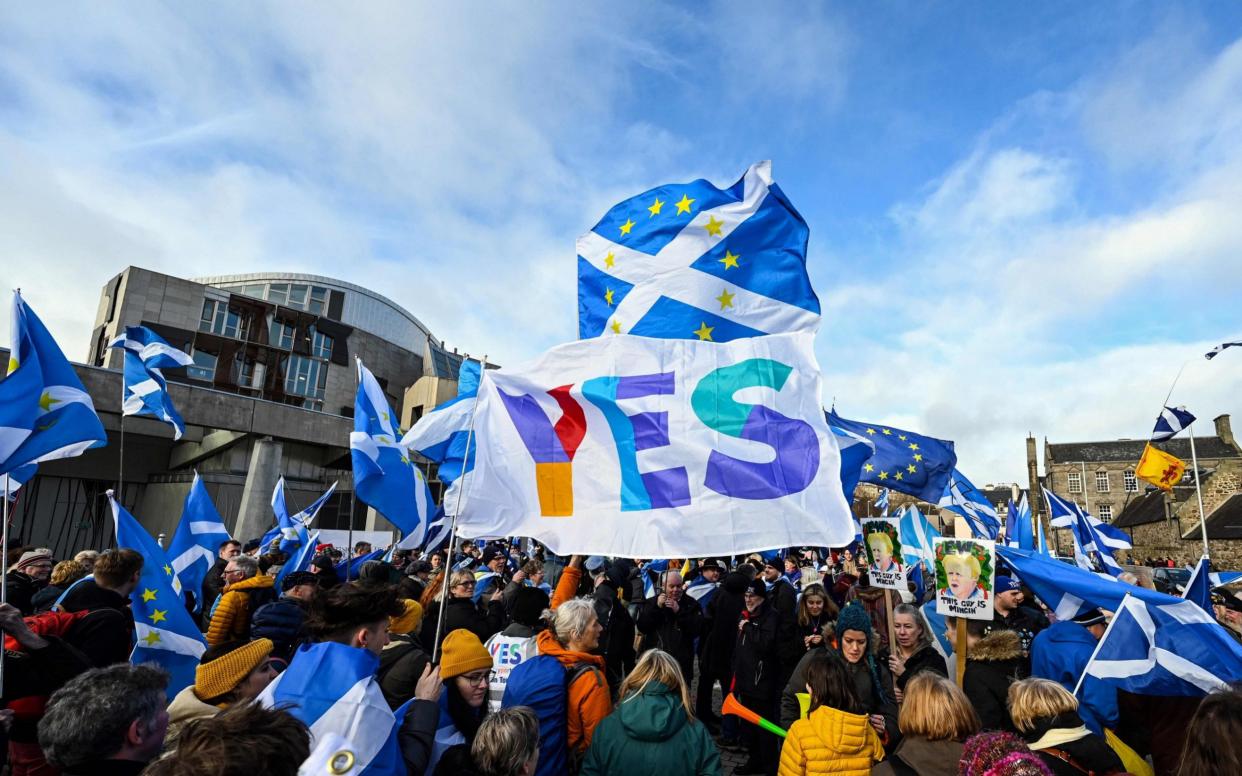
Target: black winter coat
756, 662
618, 637
283, 621
673, 632
42, 601
994, 663
926, 659
462, 613
401, 666
720, 628
213, 583
783, 599
22, 588
1090, 752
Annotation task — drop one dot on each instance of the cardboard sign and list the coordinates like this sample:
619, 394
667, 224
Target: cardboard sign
884, 567
965, 574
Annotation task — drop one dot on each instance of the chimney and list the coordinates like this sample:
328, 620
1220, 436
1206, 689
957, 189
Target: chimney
1225, 431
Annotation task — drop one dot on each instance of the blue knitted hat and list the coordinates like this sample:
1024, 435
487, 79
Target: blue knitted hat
854, 617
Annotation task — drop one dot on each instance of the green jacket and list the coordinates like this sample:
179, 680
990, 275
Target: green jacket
651, 733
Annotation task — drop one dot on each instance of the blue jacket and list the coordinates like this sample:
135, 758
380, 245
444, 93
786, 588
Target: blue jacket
1060, 653
281, 621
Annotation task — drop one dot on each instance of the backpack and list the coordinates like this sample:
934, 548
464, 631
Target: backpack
542, 684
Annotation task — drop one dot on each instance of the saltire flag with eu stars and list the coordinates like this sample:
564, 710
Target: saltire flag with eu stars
144, 390
693, 261
45, 411
165, 632
906, 462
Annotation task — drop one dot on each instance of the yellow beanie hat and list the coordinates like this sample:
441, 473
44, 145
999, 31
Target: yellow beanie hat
461, 653
223, 674
408, 620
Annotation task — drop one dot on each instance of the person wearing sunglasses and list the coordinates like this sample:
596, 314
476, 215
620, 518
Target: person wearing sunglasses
227, 674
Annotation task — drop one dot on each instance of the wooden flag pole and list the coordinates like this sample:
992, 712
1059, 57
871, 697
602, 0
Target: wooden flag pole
892, 633
959, 650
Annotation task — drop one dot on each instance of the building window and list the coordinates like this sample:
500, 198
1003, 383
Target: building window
281, 335
297, 296
203, 368
1075, 482
306, 377
1131, 482
278, 293
1101, 482
321, 344
318, 300
255, 291
1104, 512
219, 318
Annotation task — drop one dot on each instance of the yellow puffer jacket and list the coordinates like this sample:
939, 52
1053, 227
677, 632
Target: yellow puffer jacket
831, 741
232, 618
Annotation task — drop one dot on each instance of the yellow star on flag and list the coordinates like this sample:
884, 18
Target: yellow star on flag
704, 331
913, 445
884, 475
912, 468
13, 364
608, 297
730, 260
725, 299
902, 437
151, 638
616, 327
609, 260
868, 467
627, 226
888, 432
159, 615
918, 456
654, 210
897, 476
168, 569
404, 459
148, 595
871, 431
684, 205
46, 401
713, 226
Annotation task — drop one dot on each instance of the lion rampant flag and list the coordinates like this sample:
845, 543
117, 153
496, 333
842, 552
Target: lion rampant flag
1159, 468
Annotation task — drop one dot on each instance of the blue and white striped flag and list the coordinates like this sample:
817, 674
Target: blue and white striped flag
965, 499
332, 689
881, 503
1166, 650
144, 390
1170, 423
687, 261
166, 633
196, 543
1069, 591
917, 533
1093, 538
652, 571
45, 412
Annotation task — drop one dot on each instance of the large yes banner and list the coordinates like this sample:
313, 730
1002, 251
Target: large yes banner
658, 448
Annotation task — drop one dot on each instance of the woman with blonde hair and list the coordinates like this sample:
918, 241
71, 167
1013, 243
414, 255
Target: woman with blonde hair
653, 729
816, 615
914, 652
1046, 715
935, 720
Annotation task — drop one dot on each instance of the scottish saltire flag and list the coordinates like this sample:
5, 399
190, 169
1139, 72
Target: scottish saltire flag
702, 591
855, 452
293, 528
484, 584
441, 435
166, 633
904, 461
332, 689
45, 412
938, 629
1093, 539
348, 569
144, 391
649, 448
652, 571
1214, 352
1068, 590
691, 261
196, 543
1018, 530
917, 533
965, 499
301, 560
1165, 649
384, 476
1041, 543
1223, 577
1199, 588
438, 532
1171, 421
13, 481
881, 503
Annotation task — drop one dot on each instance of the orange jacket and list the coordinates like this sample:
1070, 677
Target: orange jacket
566, 586
232, 617
589, 700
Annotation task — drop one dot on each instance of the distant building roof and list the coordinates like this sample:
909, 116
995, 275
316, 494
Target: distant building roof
1148, 508
1130, 450
1224, 522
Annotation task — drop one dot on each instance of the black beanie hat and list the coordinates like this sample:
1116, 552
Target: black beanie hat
757, 587
528, 605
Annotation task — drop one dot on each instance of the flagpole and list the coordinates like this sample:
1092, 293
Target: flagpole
120, 467
452, 546
1194, 461
353, 490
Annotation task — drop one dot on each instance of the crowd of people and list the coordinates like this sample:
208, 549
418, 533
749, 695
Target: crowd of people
505, 662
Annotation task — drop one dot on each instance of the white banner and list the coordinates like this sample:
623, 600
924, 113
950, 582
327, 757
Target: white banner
655, 448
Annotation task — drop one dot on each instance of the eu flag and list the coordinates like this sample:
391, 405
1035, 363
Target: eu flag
690, 260
904, 461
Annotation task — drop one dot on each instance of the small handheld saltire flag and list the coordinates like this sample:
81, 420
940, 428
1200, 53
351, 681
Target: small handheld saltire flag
917, 533
651, 573
1165, 650
1214, 352
45, 412
881, 503
292, 528
1171, 421
904, 461
1069, 591
702, 590
144, 390
196, 543
1159, 468
166, 634
384, 476
692, 261
441, 435
331, 688
962, 497
1018, 530
1199, 588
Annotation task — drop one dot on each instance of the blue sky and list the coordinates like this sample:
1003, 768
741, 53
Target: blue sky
1023, 218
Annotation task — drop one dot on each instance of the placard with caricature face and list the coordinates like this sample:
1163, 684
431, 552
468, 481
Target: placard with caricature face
884, 559
965, 575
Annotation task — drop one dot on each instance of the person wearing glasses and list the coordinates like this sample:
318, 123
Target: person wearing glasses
483, 619
465, 669
227, 675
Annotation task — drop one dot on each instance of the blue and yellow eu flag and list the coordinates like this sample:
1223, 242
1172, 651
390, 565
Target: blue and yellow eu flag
693, 261
904, 461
